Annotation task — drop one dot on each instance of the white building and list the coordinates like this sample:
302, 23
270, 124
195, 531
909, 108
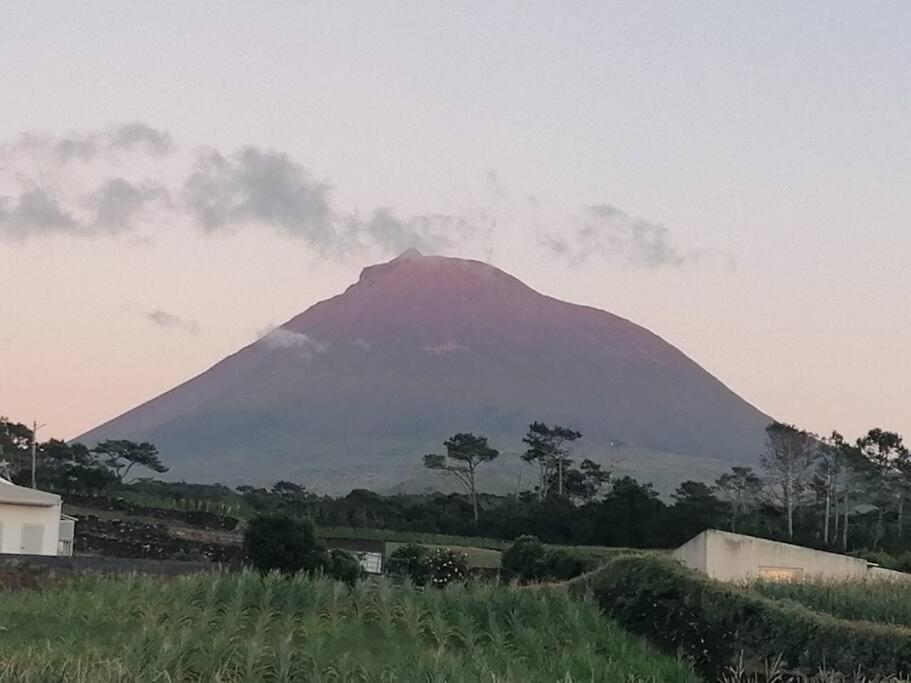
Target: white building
739, 558
31, 522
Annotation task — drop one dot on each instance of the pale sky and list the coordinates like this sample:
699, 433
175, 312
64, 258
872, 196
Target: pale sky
175, 178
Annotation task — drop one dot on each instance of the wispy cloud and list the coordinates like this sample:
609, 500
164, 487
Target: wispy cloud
607, 231
161, 318
283, 338
132, 137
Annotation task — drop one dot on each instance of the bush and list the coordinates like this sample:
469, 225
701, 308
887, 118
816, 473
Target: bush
560, 565
713, 622
278, 543
524, 559
527, 559
447, 566
438, 567
343, 566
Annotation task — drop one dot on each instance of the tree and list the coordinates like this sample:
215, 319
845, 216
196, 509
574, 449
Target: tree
790, 453
740, 488
889, 457
121, 456
465, 452
830, 470
547, 446
14, 444
280, 543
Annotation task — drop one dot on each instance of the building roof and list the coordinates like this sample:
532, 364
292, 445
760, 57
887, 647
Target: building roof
12, 494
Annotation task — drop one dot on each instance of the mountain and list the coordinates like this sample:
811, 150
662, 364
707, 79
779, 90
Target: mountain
351, 392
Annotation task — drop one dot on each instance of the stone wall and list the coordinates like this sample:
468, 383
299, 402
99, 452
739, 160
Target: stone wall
107, 565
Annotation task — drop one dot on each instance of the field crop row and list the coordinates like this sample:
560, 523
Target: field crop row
243, 627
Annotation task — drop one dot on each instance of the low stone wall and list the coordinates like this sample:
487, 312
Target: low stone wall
106, 565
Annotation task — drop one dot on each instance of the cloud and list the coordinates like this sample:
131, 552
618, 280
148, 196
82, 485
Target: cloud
162, 318
607, 230
427, 233
133, 137
259, 186
283, 338
111, 181
118, 201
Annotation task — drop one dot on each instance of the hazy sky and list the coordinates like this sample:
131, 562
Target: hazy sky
175, 178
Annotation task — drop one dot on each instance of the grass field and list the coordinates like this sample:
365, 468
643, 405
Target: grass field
243, 627
884, 602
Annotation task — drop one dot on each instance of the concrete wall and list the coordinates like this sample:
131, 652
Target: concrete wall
735, 557
12, 519
693, 553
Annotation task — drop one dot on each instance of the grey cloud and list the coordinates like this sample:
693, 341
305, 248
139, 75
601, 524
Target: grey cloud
429, 232
220, 193
162, 318
111, 208
118, 201
257, 186
130, 137
35, 208
607, 230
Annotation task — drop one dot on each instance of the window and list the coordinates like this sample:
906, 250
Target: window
780, 573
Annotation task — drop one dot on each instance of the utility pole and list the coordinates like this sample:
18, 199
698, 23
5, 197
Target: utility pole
35, 428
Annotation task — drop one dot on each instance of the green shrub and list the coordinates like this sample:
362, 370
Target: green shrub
279, 543
289, 545
447, 566
713, 622
343, 566
527, 559
560, 565
524, 559
423, 566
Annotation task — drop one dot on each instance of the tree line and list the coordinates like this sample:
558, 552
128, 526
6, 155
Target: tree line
824, 492
64, 467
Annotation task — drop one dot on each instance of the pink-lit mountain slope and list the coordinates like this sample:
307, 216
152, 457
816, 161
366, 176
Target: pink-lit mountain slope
354, 390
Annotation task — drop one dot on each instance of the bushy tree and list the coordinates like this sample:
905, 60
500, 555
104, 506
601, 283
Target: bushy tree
281, 543
741, 489
465, 452
121, 456
524, 559
788, 460
548, 447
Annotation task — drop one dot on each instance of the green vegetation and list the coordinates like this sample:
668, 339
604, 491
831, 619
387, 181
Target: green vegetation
714, 623
245, 627
437, 567
885, 602
284, 544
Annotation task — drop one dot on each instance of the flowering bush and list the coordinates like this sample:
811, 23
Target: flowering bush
425, 566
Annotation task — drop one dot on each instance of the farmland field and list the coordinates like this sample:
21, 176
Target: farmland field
884, 602
242, 627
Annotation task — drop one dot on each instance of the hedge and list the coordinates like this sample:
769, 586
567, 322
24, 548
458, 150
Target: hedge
713, 623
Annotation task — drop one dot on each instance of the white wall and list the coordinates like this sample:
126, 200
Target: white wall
12, 517
735, 557
693, 553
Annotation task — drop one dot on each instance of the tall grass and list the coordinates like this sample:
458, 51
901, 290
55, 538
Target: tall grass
245, 627
886, 602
